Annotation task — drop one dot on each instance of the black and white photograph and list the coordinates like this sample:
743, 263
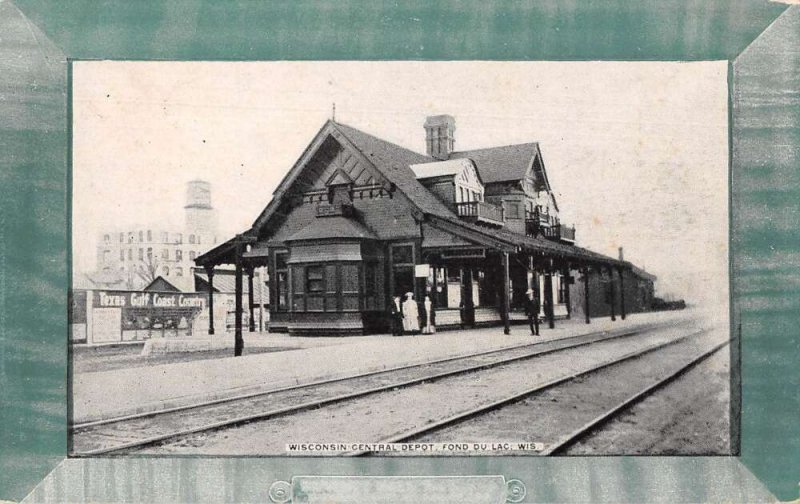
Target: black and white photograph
419, 258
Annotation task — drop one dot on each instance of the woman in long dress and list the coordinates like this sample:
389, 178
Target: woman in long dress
428, 316
410, 314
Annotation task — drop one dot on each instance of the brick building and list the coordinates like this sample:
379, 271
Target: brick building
135, 257
358, 220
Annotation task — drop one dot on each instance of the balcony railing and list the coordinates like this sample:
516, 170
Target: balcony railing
480, 211
556, 232
537, 215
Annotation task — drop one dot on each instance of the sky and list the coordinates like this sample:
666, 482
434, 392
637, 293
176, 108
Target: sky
636, 152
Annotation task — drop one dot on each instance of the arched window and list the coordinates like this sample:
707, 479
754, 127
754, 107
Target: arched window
192, 255
191, 239
179, 255
149, 235
141, 236
165, 270
106, 238
179, 271
149, 254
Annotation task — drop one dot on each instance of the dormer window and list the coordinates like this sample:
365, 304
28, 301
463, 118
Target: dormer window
340, 196
468, 187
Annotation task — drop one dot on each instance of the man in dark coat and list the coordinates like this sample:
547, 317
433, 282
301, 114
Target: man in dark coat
397, 316
533, 311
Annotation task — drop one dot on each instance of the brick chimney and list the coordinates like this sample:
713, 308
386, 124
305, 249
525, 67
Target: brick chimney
440, 136
621, 257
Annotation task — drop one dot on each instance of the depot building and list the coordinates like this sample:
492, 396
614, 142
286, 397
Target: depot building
358, 220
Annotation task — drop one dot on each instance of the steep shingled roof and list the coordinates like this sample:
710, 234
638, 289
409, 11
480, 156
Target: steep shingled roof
500, 164
332, 227
394, 162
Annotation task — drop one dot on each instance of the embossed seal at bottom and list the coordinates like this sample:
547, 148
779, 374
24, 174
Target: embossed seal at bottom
280, 492
515, 490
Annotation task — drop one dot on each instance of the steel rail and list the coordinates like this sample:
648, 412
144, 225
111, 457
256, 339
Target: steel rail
352, 395
94, 423
482, 410
588, 427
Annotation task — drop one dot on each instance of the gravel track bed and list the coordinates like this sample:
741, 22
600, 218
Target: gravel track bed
689, 416
553, 413
118, 433
372, 418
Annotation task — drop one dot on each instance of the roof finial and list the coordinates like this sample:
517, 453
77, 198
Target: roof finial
333, 114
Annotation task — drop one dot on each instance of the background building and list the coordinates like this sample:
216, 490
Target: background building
137, 256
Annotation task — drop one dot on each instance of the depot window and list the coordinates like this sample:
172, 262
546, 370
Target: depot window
325, 287
281, 284
315, 279
563, 285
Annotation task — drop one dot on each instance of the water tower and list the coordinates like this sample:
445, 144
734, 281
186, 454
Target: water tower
200, 215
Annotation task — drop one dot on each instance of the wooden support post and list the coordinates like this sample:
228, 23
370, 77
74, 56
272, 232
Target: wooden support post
586, 293
238, 342
467, 301
210, 273
565, 286
261, 298
506, 296
250, 299
548, 299
612, 294
621, 294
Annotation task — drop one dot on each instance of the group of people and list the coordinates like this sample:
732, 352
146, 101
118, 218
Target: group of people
411, 317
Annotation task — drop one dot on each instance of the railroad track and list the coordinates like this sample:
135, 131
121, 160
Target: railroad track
563, 441
137, 431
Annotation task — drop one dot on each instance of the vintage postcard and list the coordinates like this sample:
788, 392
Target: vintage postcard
436, 265
385, 260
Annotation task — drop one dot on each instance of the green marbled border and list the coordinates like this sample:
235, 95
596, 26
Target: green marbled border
34, 175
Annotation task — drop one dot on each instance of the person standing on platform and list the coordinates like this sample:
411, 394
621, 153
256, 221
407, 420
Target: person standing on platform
533, 311
397, 317
428, 317
410, 314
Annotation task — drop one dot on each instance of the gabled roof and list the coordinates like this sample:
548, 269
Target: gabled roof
394, 163
161, 284
333, 227
501, 164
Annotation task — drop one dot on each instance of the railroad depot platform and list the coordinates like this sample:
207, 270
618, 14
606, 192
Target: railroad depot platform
114, 393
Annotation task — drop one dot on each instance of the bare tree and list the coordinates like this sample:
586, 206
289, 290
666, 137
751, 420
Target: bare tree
147, 269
